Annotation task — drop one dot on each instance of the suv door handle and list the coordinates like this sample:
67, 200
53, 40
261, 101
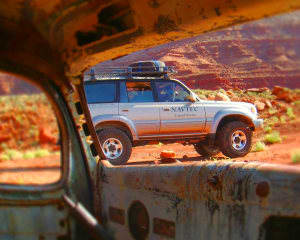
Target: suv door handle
166, 109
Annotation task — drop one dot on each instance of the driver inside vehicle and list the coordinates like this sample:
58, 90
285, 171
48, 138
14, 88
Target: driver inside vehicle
165, 92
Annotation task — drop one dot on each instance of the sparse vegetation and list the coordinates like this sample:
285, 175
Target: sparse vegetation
273, 137
268, 129
272, 111
296, 156
282, 119
11, 154
272, 121
42, 152
296, 103
290, 113
258, 147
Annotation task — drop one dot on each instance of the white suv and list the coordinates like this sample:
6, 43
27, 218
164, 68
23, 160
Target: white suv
143, 104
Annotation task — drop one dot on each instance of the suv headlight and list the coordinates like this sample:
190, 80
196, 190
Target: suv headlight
253, 110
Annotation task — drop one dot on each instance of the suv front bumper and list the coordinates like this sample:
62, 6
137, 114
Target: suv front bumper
258, 123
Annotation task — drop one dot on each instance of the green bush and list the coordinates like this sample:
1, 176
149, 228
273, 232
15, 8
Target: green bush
272, 111
297, 103
290, 113
273, 120
268, 129
4, 157
273, 137
10, 154
29, 155
296, 157
258, 147
42, 153
283, 119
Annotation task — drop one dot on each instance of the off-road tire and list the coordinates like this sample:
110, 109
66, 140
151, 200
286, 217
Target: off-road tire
121, 136
205, 150
224, 139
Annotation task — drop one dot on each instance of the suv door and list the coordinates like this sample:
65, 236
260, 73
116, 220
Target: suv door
177, 114
137, 104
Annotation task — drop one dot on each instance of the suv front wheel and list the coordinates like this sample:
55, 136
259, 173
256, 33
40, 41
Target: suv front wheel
116, 145
235, 139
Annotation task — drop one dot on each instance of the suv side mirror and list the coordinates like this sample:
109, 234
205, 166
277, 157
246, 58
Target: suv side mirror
191, 98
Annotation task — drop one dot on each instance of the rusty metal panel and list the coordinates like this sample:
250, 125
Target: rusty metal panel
66, 37
207, 200
117, 215
44, 222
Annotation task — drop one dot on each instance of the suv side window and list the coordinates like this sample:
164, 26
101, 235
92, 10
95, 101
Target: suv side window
169, 91
136, 92
100, 92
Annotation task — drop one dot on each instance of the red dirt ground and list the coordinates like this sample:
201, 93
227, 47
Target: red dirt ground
31, 171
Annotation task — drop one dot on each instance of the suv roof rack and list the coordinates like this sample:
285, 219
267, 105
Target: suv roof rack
149, 69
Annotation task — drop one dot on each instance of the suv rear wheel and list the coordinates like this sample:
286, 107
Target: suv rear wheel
235, 139
116, 145
206, 150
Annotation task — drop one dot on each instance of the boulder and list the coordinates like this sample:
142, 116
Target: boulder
282, 94
166, 154
45, 137
258, 90
268, 103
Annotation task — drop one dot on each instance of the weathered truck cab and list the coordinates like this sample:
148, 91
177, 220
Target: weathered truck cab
51, 44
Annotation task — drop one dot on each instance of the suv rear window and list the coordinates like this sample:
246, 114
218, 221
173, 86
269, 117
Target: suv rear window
100, 92
136, 92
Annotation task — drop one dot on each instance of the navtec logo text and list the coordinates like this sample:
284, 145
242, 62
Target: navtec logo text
184, 109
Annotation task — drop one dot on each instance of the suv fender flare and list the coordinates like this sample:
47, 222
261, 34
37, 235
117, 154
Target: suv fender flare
246, 116
102, 119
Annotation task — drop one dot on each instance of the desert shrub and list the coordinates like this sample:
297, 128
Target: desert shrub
297, 90
42, 153
268, 129
29, 155
296, 103
272, 111
204, 92
296, 157
290, 113
273, 120
273, 137
201, 96
283, 119
258, 147
10, 154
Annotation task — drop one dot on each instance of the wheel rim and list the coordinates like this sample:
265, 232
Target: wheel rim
238, 140
112, 148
